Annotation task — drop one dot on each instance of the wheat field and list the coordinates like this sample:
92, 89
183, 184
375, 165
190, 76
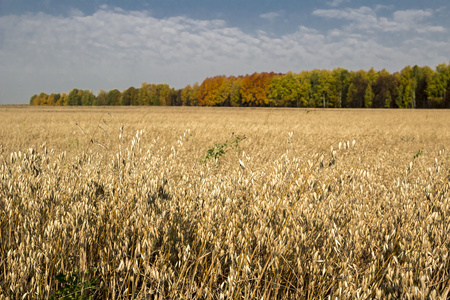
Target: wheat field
224, 203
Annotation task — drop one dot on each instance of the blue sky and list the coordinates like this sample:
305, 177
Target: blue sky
56, 45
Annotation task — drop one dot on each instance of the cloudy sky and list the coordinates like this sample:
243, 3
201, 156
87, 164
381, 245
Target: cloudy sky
56, 45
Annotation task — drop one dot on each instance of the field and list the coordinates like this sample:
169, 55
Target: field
223, 203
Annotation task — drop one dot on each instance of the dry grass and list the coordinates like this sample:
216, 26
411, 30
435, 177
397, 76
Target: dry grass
312, 204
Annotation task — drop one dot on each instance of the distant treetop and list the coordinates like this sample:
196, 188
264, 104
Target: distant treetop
412, 87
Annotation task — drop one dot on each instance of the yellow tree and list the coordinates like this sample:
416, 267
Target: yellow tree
255, 89
186, 94
208, 94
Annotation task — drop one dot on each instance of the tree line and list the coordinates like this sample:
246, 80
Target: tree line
412, 87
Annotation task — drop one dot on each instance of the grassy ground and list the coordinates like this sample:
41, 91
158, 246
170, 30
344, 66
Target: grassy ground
179, 202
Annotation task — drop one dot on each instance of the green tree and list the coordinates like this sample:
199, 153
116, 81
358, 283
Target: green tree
144, 94
406, 94
357, 89
130, 96
101, 99
388, 99
34, 100
113, 97
235, 98
438, 86
87, 98
164, 93
74, 97
422, 75
305, 88
194, 97
54, 98
284, 90
64, 100
153, 93
186, 93
175, 97
372, 75
322, 87
368, 96
341, 83
386, 90
189, 95
60, 99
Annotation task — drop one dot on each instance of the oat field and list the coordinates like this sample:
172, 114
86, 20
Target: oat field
223, 203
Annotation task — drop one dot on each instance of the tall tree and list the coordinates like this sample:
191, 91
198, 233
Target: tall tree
144, 94
422, 75
164, 94
189, 95
406, 94
129, 96
186, 94
113, 97
368, 96
74, 97
64, 100
87, 98
284, 90
323, 87
357, 89
101, 99
386, 90
438, 86
255, 89
341, 80
34, 100
209, 92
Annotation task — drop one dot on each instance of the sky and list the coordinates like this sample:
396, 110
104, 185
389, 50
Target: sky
53, 46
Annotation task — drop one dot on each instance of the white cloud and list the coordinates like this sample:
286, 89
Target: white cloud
271, 16
366, 19
113, 48
380, 7
336, 3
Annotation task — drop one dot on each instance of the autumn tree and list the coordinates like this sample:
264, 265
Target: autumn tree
162, 94
34, 100
255, 89
189, 95
209, 92
229, 92
143, 96
62, 100
53, 98
412, 87
186, 95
